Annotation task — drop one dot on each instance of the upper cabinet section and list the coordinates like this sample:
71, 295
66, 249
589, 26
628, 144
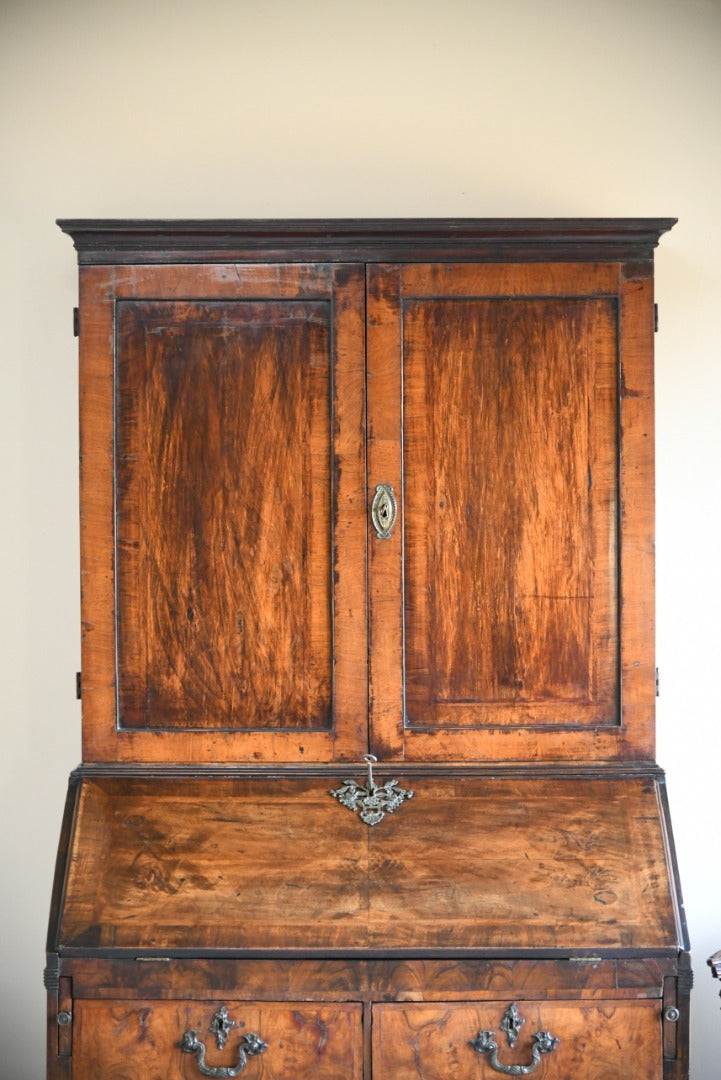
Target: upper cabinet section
404, 507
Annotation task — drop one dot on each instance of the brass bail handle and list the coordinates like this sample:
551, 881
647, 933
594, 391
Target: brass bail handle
250, 1046
370, 760
485, 1043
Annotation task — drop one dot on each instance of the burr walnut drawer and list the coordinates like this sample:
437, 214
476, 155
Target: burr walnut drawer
600, 1040
143, 1040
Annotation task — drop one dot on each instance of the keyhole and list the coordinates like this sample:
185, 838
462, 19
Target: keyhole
383, 511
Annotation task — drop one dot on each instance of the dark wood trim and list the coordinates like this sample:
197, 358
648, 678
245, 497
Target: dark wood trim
677, 993
58, 1039
367, 1039
104, 241
677, 895
61, 863
533, 770
51, 974
496, 954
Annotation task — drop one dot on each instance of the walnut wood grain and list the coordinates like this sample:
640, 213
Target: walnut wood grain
537, 644
369, 980
124, 1040
223, 487
602, 984
553, 727
384, 437
603, 1041
509, 453
224, 573
257, 866
638, 665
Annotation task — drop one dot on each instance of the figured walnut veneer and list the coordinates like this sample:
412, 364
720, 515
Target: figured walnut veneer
225, 597
600, 1041
257, 866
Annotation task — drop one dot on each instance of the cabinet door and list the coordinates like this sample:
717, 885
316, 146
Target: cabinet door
223, 520
504, 623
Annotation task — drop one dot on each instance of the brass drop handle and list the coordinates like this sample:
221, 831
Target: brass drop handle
485, 1043
384, 511
250, 1045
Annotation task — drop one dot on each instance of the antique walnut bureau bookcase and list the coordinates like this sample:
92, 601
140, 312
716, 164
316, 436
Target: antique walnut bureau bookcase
368, 783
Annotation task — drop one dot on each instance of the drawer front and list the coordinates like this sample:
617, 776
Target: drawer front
603, 1040
141, 1040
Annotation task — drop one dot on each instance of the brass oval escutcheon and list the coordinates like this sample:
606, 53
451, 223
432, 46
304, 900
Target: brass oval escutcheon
384, 511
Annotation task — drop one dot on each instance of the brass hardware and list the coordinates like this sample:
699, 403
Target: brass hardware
384, 511
221, 1026
250, 1046
672, 1014
512, 1023
65, 1017
484, 1043
373, 801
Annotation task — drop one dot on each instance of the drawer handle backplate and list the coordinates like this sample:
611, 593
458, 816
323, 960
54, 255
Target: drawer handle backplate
373, 801
250, 1045
543, 1043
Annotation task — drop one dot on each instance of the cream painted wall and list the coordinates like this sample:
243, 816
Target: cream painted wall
400, 107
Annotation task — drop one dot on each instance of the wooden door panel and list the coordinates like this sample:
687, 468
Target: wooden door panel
125, 1040
605, 1040
510, 406
223, 451
223, 523
510, 511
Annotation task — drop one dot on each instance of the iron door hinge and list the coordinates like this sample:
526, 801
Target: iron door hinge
658, 684
76, 322
655, 318
78, 684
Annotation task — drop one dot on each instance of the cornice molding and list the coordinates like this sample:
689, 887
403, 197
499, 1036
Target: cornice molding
135, 241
